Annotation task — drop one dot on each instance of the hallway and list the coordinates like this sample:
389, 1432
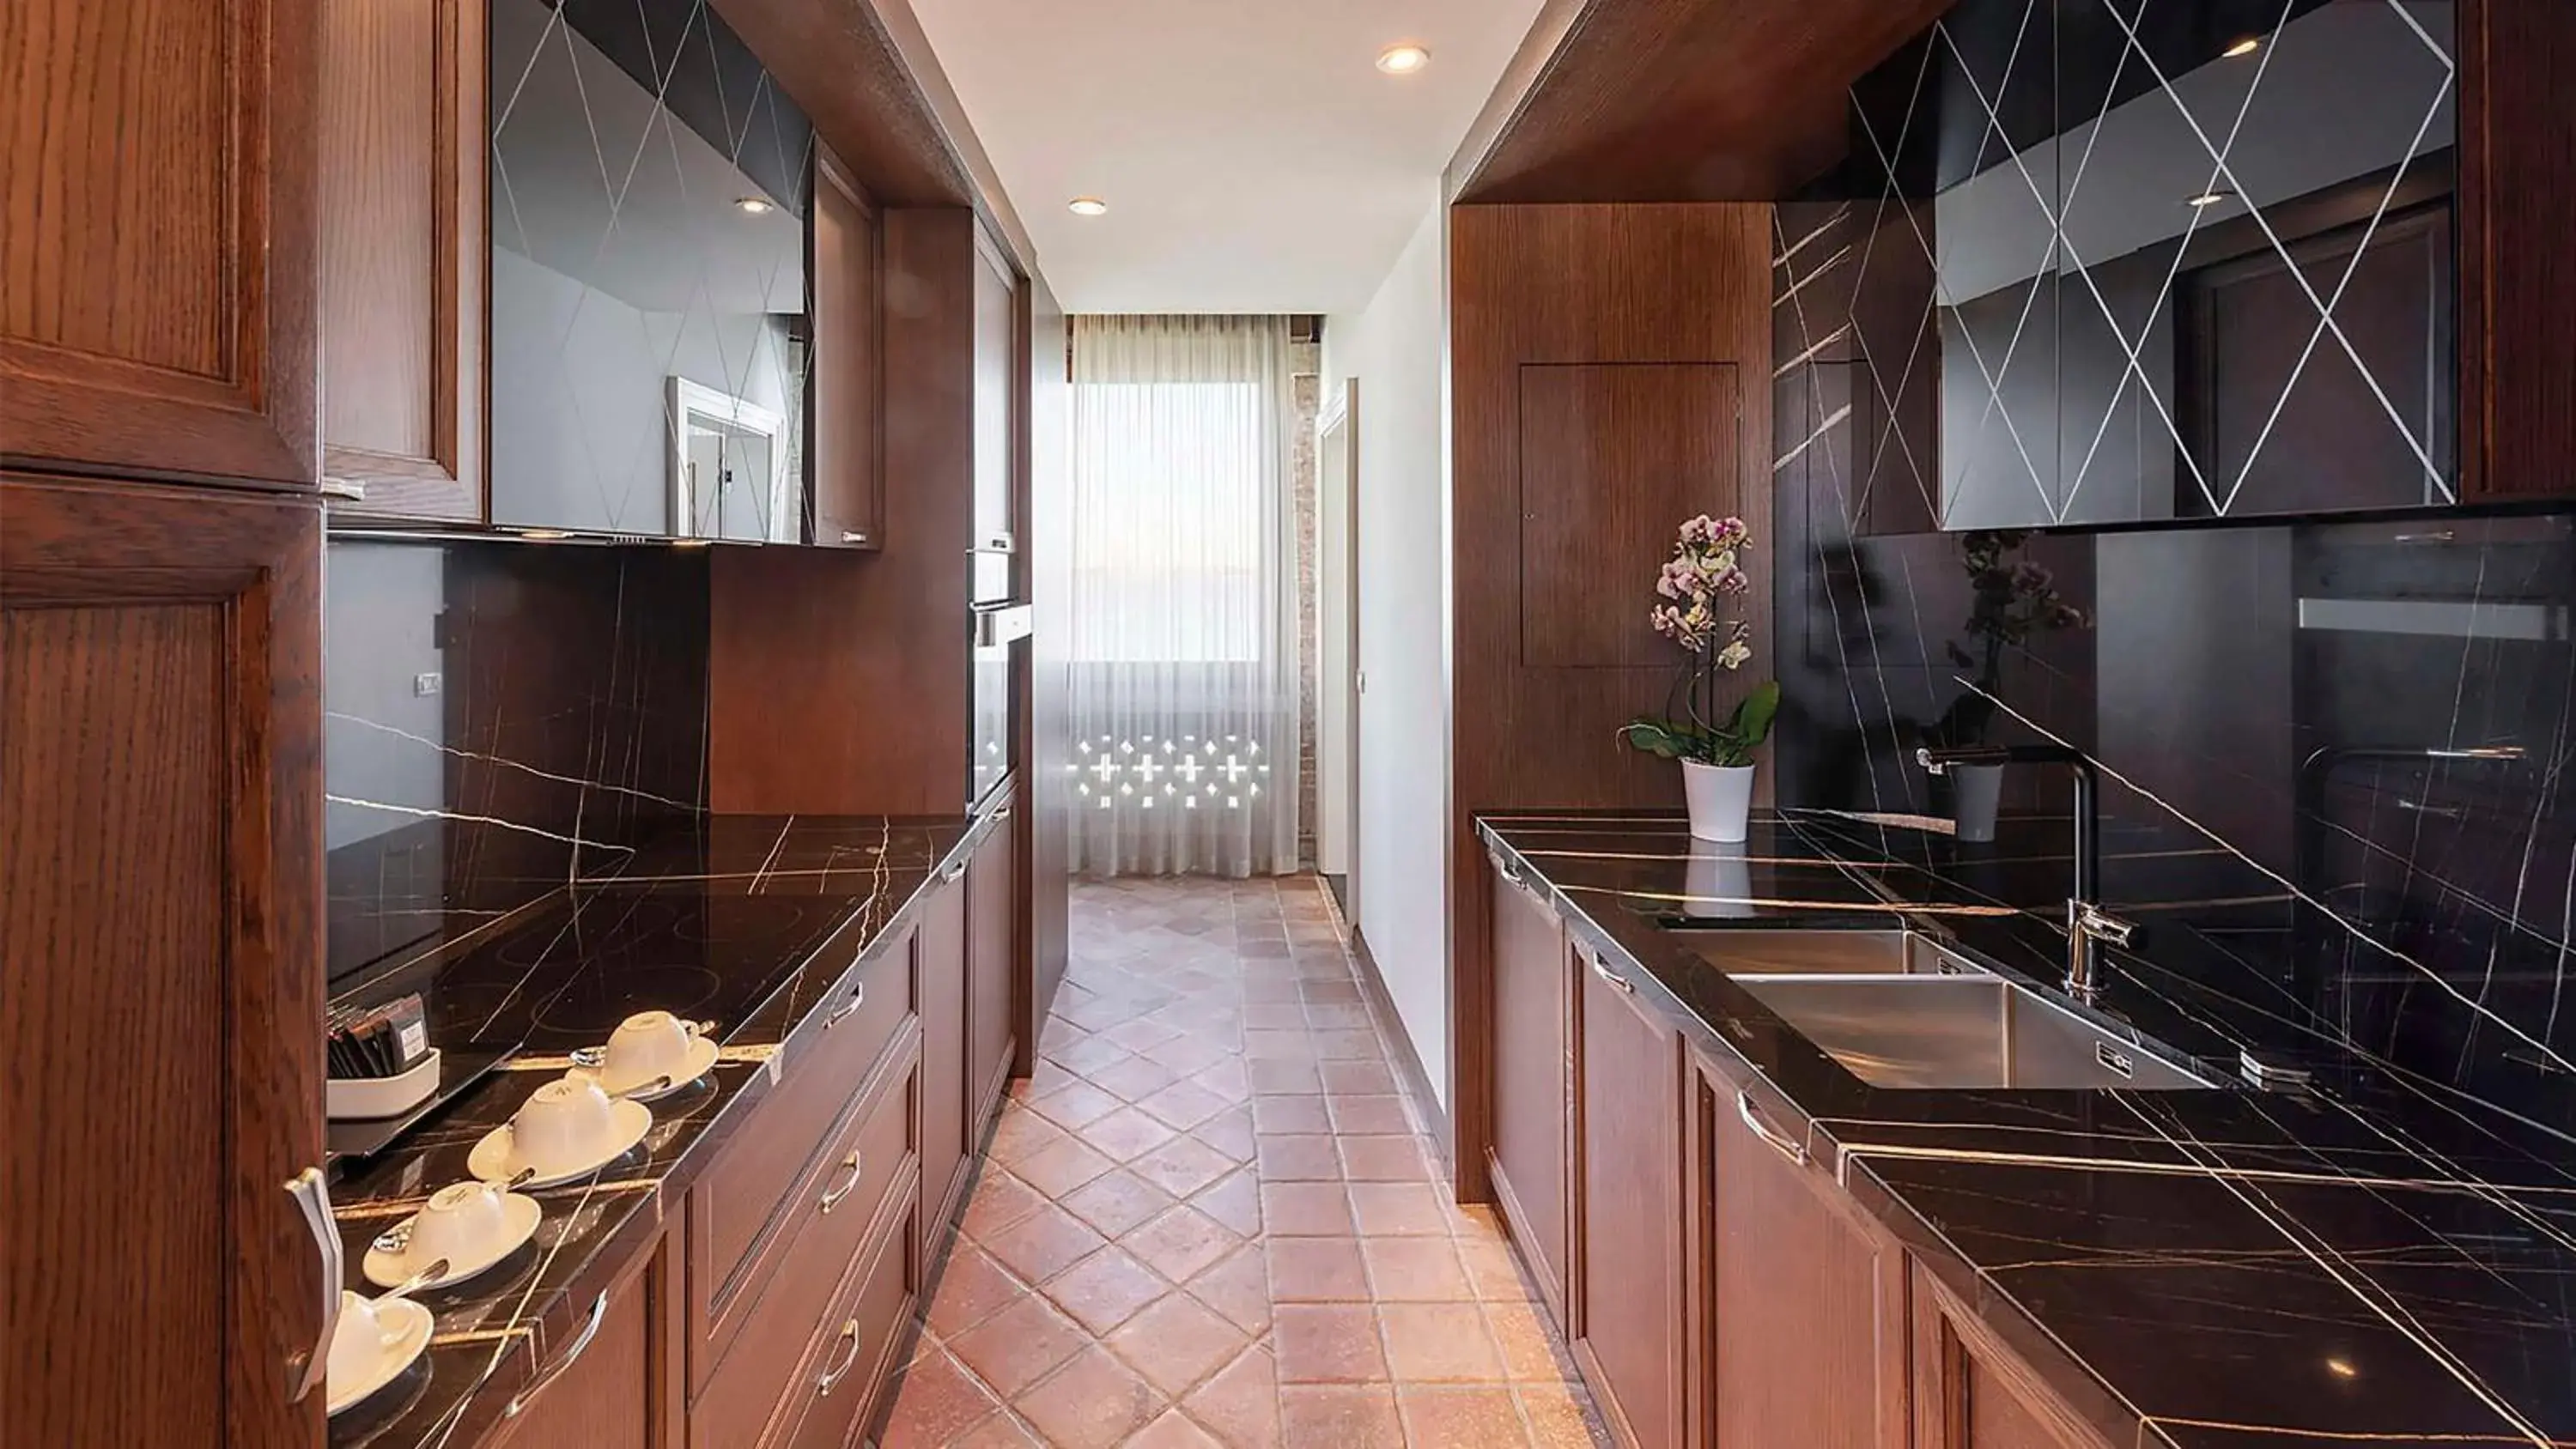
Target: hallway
1211, 1217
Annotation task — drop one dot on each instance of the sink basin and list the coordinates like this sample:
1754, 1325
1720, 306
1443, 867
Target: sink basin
1931, 1031
1759, 952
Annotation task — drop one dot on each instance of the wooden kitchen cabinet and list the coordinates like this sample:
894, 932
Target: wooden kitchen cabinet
597, 1389
1797, 1301
946, 1150
1532, 984
404, 248
849, 493
160, 674
1628, 1305
1971, 1392
992, 953
157, 314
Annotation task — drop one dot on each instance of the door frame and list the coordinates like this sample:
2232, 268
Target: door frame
1337, 460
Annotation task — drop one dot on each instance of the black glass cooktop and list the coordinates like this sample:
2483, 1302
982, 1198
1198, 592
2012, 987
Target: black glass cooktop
566, 978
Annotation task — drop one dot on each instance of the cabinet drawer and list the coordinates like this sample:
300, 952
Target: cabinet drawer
737, 1207
821, 1229
771, 1383
837, 1388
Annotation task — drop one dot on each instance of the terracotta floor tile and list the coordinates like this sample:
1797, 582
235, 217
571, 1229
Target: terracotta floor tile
1019, 1345
1173, 1431
1132, 1080
1528, 1346
1117, 1201
1424, 1269
1560, 1416
1000, 1199
1188, 1055
1183, 1105
1093, 1402
1327, 1343
1181, 1243
1492, 1268
1477, 1418
1384, 1159
938, 1400
1261, 1045
1230, 1132
1105, 1289
1124, 1134
1274, 1078
1182, 1166
1439, 1343
1021, 1135
1089, 1054
1372, 1078
1400, 1209
972, 1288
1235, 1201
1322, 1417
1176, 1342
1139, 1034
1274, 1016
1002, 1431
1337, 1016
1238, 1287
1043, 1244
1306, 1209
1299, 1158
1226, 1079
1317, 1270
1240, 1402
1369, 1112
1058, 1169
1350, 1045
1291, 1114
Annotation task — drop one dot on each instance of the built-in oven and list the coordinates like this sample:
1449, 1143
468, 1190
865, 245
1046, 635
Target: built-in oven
1001, 636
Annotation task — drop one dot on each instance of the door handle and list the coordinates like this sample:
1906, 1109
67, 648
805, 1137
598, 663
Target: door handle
312, 1194
1780, 1141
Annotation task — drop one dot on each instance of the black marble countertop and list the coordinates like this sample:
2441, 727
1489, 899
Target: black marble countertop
2377, 1260
748, 921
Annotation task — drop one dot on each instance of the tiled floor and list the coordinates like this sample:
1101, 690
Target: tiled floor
1211, 1218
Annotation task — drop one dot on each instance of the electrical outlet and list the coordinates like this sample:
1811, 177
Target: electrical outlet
425, 685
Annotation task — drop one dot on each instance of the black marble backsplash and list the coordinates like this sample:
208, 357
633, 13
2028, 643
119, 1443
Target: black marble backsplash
2350, 738
502, 718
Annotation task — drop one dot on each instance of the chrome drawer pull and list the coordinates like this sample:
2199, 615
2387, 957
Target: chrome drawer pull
1602, 970
572, 1351
313, 1194
849, 1166
824, 1382
1780, 1141
858, 996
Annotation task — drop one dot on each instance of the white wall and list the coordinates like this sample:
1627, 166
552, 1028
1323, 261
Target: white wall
1396, 347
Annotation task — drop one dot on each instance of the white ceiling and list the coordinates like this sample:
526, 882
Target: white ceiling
1253, 157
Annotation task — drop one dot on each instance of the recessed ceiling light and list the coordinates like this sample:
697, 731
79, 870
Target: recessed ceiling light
2243, 48
755, 206
1087, 206
1403, 59
2212, 198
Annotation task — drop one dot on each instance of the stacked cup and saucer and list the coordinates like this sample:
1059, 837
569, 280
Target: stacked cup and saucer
464, 1229
374, 1340
567, 1128
651, 1055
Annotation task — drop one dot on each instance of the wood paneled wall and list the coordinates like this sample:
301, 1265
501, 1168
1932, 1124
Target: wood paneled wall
1610, 375
838, 681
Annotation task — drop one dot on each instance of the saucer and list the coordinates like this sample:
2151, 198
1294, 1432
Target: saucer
387, 1269
496, 1157
700, 1061
415, 1323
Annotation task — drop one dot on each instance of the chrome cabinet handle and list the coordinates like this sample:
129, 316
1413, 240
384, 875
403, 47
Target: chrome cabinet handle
1601, 969
849, 1183
1780, 1141
858, 997
824, 1382
313, 1195
852, 535
571, 1353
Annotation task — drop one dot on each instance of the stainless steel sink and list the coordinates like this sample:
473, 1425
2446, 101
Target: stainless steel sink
1764, 952
1929, 1031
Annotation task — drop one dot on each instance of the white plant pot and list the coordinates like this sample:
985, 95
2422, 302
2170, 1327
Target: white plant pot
1721, 799
1975, 791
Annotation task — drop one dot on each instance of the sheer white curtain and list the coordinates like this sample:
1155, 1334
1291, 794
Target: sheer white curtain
1184, 679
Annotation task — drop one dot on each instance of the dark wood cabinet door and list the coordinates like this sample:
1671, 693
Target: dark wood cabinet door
160, 906
1971, 1392
157, 282
1803, 1300
848, 497
941, 959
405, 243
1628, 1215
992, 949
998, 364
2517, 135
600, 1396
1532, 1081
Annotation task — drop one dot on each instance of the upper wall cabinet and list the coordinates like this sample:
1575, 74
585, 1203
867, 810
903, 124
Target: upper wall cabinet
849, 478
651, 330
157, 217
2121, 261
404, 232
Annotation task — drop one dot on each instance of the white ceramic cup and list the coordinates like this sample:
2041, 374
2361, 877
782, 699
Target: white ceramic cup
462, 1222
361, 1340
567, 1121
649, 1044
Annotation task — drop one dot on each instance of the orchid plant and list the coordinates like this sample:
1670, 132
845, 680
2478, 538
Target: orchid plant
1704, 576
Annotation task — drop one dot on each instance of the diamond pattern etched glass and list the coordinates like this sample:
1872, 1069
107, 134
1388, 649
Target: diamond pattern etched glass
650, 323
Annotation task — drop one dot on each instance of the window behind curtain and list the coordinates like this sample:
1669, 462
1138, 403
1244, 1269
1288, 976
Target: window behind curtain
1168, 559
